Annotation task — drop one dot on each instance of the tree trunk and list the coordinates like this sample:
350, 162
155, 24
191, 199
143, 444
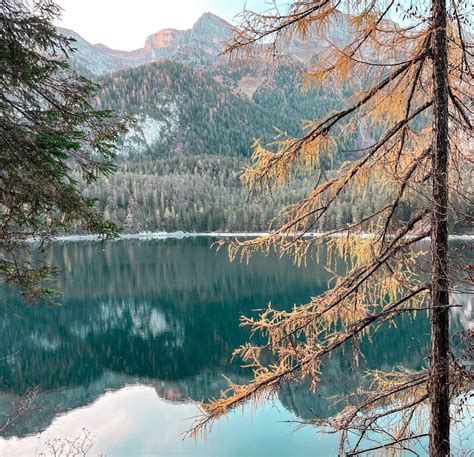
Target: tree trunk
439, 368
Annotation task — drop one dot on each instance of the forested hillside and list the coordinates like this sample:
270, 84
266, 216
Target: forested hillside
194, 127
184, 110
179, 165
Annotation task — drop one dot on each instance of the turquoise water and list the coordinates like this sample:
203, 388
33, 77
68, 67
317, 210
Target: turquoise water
146, 329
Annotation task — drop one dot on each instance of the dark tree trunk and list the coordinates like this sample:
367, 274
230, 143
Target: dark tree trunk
439, 368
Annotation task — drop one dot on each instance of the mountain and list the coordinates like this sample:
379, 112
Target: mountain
198, 46
204, 40
87, 58
180, 109
186, 100
196, 117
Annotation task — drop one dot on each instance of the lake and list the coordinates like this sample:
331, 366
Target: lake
146, 329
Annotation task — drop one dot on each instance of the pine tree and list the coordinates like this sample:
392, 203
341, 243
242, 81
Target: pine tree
49, 132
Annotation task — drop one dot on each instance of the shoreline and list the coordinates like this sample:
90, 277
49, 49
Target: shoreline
182, 235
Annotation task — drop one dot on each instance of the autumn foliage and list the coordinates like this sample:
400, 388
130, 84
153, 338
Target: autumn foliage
390, 68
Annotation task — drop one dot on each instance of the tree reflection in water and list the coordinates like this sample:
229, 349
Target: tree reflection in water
165, 314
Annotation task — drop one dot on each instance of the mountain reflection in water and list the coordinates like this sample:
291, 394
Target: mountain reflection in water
164, 314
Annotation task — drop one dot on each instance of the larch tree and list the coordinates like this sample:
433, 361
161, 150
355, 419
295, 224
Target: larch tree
412, 85
49, 134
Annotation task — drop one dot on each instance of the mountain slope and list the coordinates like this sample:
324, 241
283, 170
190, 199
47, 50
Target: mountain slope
198, 46
87, 57
184, 110
196, 119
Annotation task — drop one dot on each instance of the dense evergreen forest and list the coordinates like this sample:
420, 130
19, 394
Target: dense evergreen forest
203, 193
208, 112
179, 166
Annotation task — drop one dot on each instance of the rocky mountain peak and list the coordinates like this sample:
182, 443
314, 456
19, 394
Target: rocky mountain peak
166, 38
208, 34
210, 20
198, 46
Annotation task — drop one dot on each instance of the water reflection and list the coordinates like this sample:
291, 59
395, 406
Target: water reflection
164, 314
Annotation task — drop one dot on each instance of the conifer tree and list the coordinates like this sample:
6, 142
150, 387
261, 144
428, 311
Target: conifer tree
48, 131
413, 84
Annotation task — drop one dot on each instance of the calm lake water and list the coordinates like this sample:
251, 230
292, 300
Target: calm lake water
147, 328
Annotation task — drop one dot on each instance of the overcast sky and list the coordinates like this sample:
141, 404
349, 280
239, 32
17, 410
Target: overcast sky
124, 24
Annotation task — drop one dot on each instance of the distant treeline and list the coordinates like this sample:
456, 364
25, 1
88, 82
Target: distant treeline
204, 193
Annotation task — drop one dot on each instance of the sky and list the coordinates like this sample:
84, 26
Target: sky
125, 24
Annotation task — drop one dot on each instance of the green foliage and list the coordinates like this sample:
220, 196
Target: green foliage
49, 130
204, 194
213, 115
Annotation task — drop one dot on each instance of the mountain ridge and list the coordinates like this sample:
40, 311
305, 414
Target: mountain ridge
198, 46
